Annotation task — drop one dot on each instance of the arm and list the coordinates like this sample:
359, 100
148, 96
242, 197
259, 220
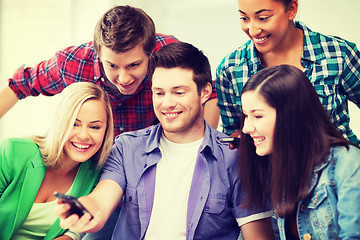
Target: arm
258, 230
101, 202
212, 113
227, 95
8, 100
351, 73
347, 179
63, 237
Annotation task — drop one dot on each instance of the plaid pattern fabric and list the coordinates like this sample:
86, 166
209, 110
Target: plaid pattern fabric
332, 64
81, 64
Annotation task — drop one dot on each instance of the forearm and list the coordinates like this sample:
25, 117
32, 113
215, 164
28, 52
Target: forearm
8, 100
212, 113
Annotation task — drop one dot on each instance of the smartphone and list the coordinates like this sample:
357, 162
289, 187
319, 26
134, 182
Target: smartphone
233, 140
75, 206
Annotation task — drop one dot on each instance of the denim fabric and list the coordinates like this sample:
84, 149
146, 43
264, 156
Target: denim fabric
331, 210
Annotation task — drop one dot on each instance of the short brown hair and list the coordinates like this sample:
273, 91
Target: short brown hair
124, 27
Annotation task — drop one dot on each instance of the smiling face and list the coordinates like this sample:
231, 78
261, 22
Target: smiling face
125, 70
267, 22
178, 105
88, 132
260, 119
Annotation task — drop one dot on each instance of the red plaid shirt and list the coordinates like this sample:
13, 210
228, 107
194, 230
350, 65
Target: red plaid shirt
81, 64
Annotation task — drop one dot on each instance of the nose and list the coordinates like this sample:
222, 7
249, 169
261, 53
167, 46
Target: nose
248, 127
83, 133
254, 29
168, 101
124, 77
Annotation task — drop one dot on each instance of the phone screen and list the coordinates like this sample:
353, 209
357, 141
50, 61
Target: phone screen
75, 206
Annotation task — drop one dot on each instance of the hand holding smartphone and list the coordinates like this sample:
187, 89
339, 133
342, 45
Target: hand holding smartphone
75, 206
233, 140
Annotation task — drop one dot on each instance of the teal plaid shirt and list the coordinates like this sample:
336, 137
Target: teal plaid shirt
332, 64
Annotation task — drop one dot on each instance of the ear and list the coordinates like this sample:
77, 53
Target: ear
206, 93
292, 9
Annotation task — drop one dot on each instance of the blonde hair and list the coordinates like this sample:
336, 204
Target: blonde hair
72, 97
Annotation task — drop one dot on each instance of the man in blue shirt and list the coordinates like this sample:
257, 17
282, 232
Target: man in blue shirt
176, 180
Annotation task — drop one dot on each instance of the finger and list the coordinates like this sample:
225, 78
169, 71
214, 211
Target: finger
61, 210
69, 222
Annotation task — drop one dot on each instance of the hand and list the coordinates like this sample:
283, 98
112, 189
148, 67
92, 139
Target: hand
234, 134
74, 223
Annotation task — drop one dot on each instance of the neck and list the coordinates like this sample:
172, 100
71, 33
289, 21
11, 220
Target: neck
186, 136
289, 51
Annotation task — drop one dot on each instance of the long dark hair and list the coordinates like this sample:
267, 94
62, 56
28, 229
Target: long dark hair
302, 138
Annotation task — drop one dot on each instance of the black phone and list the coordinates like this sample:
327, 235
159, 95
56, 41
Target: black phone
75, 206
233, 140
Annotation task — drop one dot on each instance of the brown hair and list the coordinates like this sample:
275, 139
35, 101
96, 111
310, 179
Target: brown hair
124, 27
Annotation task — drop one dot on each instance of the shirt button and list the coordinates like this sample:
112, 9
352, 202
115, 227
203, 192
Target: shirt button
121, 129
303, 208
207, 208
307, 236
130, 198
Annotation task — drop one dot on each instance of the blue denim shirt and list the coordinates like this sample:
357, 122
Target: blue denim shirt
214, 193
331, 210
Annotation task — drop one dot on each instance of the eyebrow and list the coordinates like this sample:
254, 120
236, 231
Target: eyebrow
177, 87
258, 12
96, 121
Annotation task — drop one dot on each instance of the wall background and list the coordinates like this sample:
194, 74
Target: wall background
33, 30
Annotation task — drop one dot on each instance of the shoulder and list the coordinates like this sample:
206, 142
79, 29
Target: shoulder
330, 46
162, 40
138, 138
242, 56
85, 51
341, 152
18, 150
220, 150
12, 144
345, 162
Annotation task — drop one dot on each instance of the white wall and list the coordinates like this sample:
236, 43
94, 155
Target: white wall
32, 30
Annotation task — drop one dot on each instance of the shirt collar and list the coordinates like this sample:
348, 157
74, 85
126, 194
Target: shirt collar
206, 147
311, 40
324, 163
97, 67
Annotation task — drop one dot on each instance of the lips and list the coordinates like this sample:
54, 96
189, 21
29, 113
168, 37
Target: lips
171, 115
260, 40
81, 146
258, 140
127, 86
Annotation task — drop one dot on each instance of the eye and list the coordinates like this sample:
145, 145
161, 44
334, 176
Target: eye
179, 92
263, 18
133, 65
95, 127
258, 116
76, 125
111, 66
242, 18
159, 93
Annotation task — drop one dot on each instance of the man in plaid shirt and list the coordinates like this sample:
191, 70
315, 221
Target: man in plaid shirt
117, 60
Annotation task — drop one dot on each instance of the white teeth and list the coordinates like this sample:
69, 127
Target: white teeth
81, 146
171, 114
259, 139
260, 39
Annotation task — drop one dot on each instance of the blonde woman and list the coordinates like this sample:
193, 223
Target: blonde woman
66, 160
